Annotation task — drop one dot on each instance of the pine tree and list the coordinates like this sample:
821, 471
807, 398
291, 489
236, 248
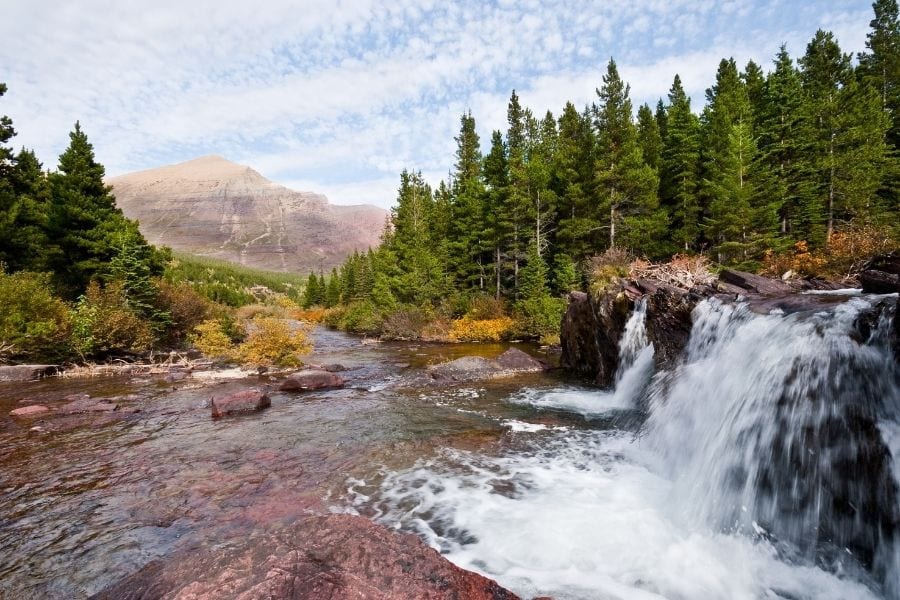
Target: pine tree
84, 220
573, 174
496, 232
465, 243
649, 137
680, 163
518, 198
311, 293
730, 150
880, 65
845, 135
783, 186
421, 278
333, 291
626, 185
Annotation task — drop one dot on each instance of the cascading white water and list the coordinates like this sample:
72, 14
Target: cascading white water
768, 468
770, 428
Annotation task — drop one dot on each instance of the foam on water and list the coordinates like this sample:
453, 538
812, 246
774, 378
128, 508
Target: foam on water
582, 516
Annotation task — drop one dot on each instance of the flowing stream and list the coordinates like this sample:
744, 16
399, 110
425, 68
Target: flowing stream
765, 466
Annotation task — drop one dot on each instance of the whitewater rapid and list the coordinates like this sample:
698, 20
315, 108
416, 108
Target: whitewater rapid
721, 493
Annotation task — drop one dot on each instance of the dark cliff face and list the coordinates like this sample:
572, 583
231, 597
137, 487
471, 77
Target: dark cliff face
590, 334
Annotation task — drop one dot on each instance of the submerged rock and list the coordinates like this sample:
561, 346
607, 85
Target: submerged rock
86, 404
29, 411
311, 379
318, 558
246, 401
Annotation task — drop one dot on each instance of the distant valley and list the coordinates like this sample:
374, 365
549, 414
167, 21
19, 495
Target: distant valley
213, 207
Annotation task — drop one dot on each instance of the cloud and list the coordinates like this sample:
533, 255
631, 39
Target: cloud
339, 95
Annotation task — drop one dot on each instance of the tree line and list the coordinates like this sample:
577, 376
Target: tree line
773, 159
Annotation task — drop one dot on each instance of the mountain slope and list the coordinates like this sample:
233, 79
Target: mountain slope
213, 207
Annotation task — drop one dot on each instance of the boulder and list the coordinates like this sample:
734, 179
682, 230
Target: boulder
590, 333
875, 281
246, 401
326, 557
467, 368
26, 372
311, 379
29, 411
519, 362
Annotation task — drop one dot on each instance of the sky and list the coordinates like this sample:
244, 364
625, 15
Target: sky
338, 96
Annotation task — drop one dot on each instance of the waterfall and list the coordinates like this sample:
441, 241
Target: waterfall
781, 427
635, 358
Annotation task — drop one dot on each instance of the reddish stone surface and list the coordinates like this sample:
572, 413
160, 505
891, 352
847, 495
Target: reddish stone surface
516, 360
29, 411
331, 557
311, 379
240, 402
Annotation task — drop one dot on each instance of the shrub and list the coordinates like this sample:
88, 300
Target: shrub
360, 317
34, 324
480, 330
311, 315
486, 307
273, 341
104, 324
847, 251
211, 338
186, 308
539, 318
406, 323
607, 267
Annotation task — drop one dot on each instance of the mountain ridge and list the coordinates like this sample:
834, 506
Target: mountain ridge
211, 206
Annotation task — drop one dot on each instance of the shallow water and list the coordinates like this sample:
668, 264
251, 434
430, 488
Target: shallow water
93, 498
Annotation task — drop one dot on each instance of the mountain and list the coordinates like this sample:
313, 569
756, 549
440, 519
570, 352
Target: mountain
213, 207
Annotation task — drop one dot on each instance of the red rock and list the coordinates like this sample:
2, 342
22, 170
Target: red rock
311, 379
516, 360
240, 402
29, 411
318, 558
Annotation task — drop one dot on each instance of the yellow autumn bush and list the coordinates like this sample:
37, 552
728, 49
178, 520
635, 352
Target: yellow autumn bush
480, 330
274, 342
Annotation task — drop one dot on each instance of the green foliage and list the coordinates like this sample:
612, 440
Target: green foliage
34, 325
103, 323
227, 283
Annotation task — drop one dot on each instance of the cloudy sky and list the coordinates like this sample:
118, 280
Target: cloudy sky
337, 96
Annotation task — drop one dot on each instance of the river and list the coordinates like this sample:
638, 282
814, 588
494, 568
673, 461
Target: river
647, 491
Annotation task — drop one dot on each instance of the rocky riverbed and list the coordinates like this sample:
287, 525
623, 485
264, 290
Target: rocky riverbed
206, 484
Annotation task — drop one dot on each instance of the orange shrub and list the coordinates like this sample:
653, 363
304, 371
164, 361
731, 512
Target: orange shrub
310, 315
480, 330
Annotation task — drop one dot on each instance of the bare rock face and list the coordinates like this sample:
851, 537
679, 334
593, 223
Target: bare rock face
331, 557
213, 207
246, 401
311, 379
590, 333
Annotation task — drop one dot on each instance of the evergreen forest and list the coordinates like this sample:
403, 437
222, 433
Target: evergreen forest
794, 161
